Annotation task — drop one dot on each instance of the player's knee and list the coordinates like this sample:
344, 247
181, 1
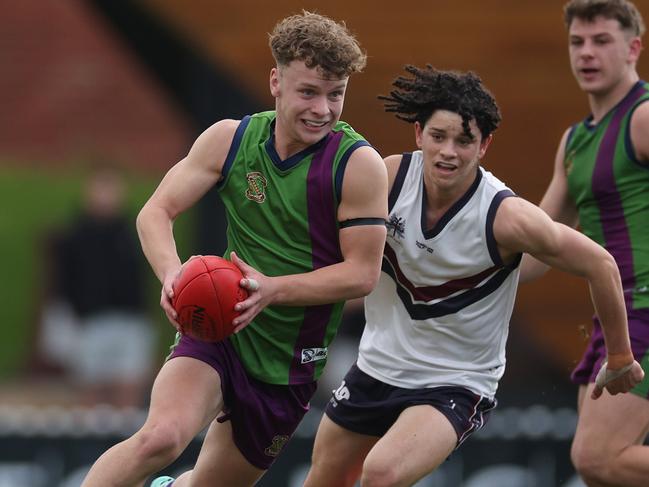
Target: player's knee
591, 463
377, 474
159, 443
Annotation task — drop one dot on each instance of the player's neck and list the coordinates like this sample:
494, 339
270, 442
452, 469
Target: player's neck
602, 103
440, 199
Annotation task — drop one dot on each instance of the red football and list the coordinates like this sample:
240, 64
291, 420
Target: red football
205, 293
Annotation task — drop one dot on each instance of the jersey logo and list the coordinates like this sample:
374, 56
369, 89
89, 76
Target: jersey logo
421, 245
256, 187
276, 445
396, 225
313, 354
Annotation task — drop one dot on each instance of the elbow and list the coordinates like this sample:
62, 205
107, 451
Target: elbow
140, 220
608, 264
605, 269
367, 284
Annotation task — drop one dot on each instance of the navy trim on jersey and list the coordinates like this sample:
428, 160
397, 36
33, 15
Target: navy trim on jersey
628, 144
492, 245
234, 148
340, 172
354, 222
430, 293
451, 212
399, 179
424, 311
295, 159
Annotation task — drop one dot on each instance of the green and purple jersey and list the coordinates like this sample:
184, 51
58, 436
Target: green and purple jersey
282, 219
609, 186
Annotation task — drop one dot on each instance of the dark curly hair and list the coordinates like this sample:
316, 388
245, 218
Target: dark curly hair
318, 41
415, 99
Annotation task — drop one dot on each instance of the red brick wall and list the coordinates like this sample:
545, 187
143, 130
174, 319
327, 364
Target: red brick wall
70, 89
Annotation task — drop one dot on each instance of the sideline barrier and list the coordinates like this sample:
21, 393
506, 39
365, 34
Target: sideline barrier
54, 447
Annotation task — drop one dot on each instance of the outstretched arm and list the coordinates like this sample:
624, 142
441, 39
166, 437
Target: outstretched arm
364, 195
523, 227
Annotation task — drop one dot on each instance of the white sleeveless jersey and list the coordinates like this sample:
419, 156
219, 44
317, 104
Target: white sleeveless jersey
439, 315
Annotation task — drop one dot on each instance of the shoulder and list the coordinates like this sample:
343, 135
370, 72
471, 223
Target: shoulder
639, 128
217, 134
364, 188
214, 143
518, 223
365, 158
392, 164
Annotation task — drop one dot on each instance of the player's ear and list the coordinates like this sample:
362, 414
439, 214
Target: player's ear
635, 48
274, 82
484, 145
419, 134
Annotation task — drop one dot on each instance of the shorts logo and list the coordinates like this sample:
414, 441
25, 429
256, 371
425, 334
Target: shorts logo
313, 354
342, 392
276, 445
256, 187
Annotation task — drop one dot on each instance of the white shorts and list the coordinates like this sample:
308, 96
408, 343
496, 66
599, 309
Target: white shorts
113, 347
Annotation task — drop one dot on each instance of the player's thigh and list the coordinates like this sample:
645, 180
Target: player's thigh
186, 396
611, 423
338, 455
416, 444
221, 463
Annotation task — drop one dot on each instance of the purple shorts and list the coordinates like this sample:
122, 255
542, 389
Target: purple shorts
264, 416
365, 405
595, 353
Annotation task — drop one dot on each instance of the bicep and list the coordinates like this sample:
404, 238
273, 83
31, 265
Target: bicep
362, 246
522, 227
182, 187
365, 187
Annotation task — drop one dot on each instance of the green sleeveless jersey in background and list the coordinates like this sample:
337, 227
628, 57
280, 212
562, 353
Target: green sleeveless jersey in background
611, 190
282, 219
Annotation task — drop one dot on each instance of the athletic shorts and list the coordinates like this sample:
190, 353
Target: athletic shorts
263, 416
365, 405
595, 353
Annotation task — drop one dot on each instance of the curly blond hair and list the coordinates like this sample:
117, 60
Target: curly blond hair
318, 41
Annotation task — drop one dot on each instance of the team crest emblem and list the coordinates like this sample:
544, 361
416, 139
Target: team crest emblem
256, 187
276, 446
396, 225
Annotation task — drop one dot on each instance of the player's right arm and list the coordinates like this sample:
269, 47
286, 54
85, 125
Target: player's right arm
183, 185
520, 226
558, 204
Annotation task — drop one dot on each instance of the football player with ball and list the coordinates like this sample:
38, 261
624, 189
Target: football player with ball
306, 200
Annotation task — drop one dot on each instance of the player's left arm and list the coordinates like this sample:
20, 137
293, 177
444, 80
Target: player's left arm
362, 213
520, 226
640, 133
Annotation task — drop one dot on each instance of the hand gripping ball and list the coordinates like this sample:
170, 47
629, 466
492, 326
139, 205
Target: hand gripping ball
205, 293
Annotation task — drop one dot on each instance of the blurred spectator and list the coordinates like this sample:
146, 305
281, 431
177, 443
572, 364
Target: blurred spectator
94, 322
